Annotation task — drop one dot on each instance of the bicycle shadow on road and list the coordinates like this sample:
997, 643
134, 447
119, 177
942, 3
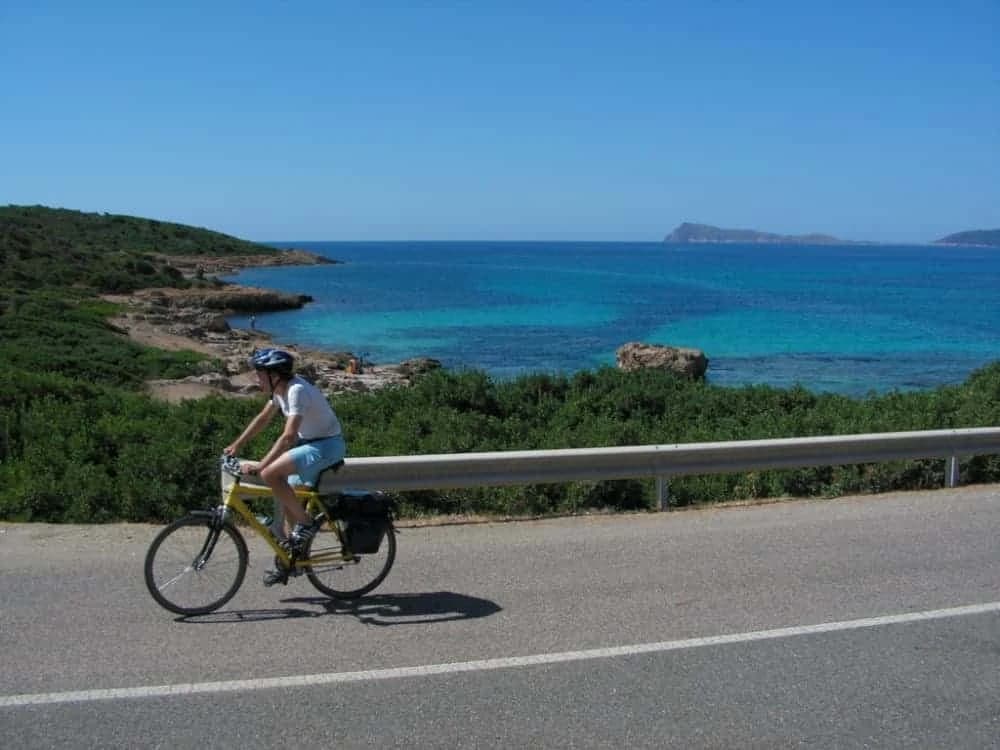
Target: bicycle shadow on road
382, 610
409, 609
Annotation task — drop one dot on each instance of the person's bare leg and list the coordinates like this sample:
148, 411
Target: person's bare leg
275, 476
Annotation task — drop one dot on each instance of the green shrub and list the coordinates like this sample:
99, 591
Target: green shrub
86, 449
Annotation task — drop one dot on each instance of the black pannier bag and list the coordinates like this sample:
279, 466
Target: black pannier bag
367, 517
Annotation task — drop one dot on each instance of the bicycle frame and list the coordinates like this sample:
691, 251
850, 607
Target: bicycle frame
234, 501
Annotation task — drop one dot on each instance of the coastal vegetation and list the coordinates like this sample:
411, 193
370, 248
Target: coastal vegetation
80, 441
51, 247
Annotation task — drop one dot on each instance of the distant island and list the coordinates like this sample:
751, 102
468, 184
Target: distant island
989, 237
696, 233
693, 234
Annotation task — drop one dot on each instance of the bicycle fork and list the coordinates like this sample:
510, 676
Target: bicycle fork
214, 531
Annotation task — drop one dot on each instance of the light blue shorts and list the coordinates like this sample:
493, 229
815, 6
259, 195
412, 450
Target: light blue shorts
312, 458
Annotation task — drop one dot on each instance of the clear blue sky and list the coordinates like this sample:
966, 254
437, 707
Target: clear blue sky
487, 120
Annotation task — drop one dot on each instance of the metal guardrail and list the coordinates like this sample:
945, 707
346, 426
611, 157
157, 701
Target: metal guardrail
444, 471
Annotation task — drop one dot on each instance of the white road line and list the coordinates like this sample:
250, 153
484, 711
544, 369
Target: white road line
160, 691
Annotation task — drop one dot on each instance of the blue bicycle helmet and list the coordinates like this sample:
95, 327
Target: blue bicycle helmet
273, 360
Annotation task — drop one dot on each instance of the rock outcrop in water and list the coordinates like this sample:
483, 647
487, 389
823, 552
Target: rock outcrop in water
683, 362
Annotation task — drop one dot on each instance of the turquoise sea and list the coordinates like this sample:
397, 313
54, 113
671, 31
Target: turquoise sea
848, 319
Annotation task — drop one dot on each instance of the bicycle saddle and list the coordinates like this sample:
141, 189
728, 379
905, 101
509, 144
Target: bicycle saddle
319, 477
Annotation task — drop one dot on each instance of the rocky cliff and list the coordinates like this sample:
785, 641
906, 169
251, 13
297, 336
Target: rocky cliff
193, 265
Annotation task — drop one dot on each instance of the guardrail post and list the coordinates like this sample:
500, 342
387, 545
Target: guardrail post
663, 492
951, 472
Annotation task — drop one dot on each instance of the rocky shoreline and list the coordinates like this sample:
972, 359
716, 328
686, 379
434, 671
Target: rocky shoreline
200, 265
195, 319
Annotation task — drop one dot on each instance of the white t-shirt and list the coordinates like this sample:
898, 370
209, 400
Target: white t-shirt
318, 417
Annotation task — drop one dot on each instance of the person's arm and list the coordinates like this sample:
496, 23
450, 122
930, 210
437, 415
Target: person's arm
286, 441
257, 424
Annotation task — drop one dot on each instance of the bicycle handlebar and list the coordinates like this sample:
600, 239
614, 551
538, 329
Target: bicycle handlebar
231, 465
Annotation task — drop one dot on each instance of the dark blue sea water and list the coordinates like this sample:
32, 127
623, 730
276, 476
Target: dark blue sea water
846, 319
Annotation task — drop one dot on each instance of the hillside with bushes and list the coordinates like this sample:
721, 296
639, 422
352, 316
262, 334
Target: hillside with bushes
44, 247
80, 441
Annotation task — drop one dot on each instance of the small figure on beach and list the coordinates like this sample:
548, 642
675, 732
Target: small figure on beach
253, 321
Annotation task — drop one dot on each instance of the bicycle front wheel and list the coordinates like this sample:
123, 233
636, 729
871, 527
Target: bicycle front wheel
348, 579
192, 568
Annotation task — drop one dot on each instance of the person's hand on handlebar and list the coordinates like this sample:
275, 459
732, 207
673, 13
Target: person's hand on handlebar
245, 467
249, 467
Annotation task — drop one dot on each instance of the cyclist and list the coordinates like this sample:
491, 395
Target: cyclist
310, 441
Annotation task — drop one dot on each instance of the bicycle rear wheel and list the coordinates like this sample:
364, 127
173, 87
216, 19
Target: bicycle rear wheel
343, 579
192, 568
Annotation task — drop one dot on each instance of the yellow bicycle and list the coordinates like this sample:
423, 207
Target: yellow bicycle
198, 563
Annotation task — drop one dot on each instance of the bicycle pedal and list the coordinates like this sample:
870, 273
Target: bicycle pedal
272, 577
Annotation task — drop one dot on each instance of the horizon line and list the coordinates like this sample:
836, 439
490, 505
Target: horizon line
881, 243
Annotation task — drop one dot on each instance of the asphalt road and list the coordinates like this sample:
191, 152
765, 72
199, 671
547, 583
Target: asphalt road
858, 622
